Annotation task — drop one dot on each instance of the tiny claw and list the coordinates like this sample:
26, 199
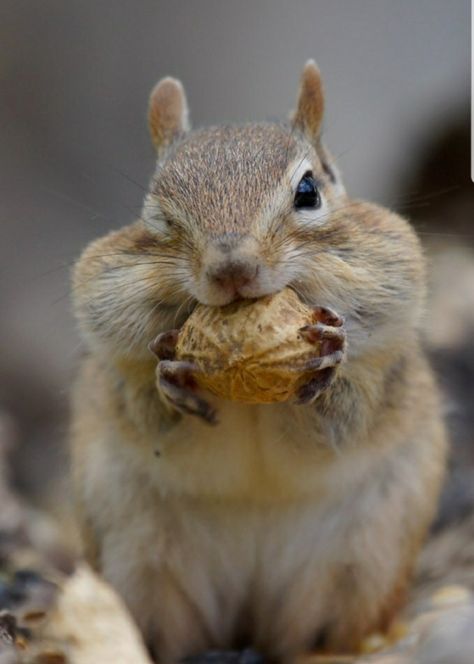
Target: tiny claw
186, 402
180, 373
319, 332
177, 383
327, 316
164, 345
310, 391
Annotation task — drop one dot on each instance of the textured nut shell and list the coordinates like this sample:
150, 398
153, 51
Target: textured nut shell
250, 351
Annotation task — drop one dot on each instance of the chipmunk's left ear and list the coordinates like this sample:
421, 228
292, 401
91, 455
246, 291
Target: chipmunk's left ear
167, 113
308, 116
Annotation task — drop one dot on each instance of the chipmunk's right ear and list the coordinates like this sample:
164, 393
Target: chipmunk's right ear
167, 113
308, 116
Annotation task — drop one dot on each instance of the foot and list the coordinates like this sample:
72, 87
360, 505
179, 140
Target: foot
328, 332
176, 380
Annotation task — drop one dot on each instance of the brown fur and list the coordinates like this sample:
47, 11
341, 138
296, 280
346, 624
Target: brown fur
301, 522
253, 157
309, 113
167, 113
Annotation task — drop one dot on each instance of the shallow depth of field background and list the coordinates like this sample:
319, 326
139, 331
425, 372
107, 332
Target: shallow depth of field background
75, 156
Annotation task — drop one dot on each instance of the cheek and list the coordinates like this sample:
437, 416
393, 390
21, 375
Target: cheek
165, 279
196, 266
279, 266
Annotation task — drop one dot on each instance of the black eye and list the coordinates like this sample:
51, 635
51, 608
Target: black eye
307, 195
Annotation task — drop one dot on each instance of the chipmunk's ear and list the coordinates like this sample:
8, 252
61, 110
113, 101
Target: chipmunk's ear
167, 113
308, 116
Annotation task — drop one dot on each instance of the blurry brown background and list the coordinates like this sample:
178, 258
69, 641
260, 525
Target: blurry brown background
75, 154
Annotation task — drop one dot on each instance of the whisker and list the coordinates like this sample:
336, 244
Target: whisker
129, 179
415, 198
78, 204
185, 303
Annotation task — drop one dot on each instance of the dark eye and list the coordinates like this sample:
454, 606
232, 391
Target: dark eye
307, 195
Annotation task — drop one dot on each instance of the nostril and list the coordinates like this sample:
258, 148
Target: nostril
245, 277
223, 280
234, 275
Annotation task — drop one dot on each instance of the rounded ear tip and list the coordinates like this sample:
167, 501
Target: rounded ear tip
167, 112
310, 108
311, 67
168, 84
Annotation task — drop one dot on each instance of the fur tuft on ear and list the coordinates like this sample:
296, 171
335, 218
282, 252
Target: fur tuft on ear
308, 116
167, 113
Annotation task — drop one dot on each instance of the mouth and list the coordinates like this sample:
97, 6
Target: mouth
220, 297
225, 298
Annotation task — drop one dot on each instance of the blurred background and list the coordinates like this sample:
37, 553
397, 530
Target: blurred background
75, 157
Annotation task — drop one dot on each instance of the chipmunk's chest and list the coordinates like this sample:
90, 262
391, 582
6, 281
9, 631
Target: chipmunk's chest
254, 452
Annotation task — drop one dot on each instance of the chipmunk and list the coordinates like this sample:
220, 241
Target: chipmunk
289, 526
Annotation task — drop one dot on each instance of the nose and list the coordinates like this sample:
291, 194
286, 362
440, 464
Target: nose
233, 275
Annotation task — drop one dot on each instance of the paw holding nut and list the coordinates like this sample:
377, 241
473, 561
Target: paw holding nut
252, 351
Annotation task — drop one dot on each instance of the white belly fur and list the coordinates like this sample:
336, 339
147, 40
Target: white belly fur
240, 516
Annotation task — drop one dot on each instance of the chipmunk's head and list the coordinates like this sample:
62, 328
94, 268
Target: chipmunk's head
242, 212
233, 209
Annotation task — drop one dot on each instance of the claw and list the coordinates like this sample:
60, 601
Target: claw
326, 361
328, 332
164, 345
327, 316
320, 331
177, 383
308, 393
332, 342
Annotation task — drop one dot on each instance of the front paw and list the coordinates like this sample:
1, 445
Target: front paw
176, 380
329, 333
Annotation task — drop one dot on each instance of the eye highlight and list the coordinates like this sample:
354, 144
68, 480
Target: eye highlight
307, 194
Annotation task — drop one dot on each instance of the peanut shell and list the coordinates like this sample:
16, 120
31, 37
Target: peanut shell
250, 351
